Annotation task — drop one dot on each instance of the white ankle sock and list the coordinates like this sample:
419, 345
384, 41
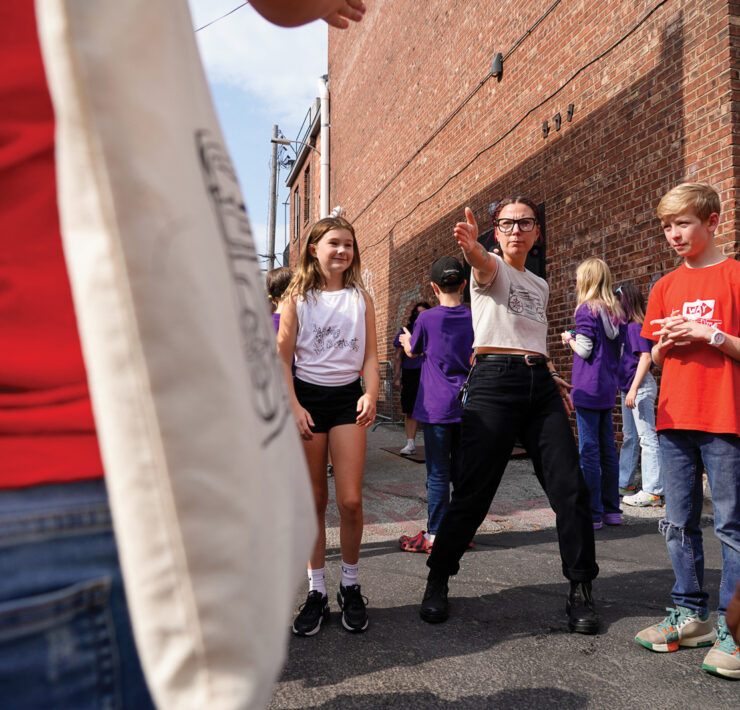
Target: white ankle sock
411, 442
316, 580
349, 574
430, 536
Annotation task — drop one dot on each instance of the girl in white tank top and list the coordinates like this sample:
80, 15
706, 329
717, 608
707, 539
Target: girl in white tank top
328, 325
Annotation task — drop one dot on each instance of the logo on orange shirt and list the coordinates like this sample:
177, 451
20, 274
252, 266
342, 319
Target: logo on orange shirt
702, 311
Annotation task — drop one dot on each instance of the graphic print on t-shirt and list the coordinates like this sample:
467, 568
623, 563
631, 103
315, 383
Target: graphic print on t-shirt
526, 303
701, 311
329, 338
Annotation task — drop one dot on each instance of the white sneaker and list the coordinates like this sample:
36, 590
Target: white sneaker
643, 499
409, 449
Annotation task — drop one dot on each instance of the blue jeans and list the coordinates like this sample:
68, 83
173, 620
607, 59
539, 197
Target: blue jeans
599, 461
638, 429
684, 454
65, 637
442, 453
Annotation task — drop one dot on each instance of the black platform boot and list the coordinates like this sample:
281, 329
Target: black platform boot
582, 616
434, 607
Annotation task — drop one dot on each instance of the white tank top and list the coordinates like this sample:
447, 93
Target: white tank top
330, 344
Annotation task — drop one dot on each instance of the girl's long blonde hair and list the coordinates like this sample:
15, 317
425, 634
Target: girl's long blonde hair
308, 275
594, 286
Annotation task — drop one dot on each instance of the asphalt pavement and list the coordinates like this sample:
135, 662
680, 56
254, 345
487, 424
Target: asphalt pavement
506, 643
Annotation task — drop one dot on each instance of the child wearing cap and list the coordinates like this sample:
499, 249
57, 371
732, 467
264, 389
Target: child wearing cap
444, 335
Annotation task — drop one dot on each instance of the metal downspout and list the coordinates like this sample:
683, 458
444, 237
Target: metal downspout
324, 96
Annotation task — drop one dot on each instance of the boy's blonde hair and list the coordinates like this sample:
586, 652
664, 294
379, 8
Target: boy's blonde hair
308, 275
699, 197
594, 286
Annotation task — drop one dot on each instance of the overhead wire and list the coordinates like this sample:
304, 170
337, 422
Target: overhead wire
230, 12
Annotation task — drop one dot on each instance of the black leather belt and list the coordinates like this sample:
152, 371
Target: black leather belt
530, 360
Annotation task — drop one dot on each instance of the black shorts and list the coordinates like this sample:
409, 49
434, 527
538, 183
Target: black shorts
409, 389
328, 406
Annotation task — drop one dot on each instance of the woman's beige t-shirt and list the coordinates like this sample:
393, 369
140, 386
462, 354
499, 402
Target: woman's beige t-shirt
510, 310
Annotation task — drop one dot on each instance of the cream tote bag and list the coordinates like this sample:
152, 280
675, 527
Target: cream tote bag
209, 491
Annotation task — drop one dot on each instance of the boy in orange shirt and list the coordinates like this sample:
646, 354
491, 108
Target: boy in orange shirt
694, 314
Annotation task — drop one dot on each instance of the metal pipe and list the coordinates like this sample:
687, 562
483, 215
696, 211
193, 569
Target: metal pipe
324, 197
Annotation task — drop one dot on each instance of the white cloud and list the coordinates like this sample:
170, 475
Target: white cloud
276, 67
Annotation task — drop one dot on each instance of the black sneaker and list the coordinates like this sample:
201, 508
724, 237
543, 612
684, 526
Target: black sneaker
311, 613
582, 616
434, 606
352, 604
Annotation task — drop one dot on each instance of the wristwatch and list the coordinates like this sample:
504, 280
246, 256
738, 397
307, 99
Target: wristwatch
718, 337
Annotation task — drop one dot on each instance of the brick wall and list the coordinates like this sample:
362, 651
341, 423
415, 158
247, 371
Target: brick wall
419, 131
297, 182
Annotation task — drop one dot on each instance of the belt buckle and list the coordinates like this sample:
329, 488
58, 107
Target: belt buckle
533, 360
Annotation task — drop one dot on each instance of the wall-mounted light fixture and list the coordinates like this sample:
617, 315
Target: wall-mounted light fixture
497, 67
571, 109
545, 129
557, 120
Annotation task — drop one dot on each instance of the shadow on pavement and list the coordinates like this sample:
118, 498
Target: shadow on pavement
397, 637
511, 539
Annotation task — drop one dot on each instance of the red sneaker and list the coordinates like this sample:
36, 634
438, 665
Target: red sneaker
417, 543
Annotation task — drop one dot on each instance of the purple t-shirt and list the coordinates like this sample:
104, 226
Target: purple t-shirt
407, 363
631, 344
594, 379
445, 336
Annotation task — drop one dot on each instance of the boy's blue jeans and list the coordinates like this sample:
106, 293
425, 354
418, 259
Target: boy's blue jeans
65, 637
684, 454
638, 429
442, 453
599, 461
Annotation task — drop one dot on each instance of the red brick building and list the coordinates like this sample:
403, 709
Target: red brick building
601, 107
304, 180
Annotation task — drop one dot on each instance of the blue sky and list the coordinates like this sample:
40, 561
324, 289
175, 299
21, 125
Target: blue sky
260, 75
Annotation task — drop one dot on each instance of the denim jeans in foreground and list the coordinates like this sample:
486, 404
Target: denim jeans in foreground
639, 435
684, 454
442, 453
599, 460
507, 400
65, 637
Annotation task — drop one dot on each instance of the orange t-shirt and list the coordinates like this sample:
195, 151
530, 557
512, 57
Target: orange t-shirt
700, 385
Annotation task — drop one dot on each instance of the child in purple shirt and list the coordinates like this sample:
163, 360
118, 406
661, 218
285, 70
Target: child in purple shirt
639, 392
444, 335
276, 282
406, 376
594, 380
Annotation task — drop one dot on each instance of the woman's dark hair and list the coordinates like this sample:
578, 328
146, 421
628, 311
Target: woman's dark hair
632, 301
277, 281
415, 314
520, 200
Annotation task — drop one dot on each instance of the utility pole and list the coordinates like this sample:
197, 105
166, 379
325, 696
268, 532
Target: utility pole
273, 203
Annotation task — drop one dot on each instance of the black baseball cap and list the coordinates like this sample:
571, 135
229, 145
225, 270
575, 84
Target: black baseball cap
447, 271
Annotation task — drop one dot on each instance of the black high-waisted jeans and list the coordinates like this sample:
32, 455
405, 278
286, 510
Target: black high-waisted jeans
509, 399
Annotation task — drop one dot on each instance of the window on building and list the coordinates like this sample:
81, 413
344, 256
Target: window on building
307, 194
296, 214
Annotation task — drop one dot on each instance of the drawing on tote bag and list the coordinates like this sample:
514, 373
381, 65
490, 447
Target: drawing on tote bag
258, 337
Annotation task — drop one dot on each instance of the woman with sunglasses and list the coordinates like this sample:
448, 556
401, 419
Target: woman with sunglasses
514, 392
